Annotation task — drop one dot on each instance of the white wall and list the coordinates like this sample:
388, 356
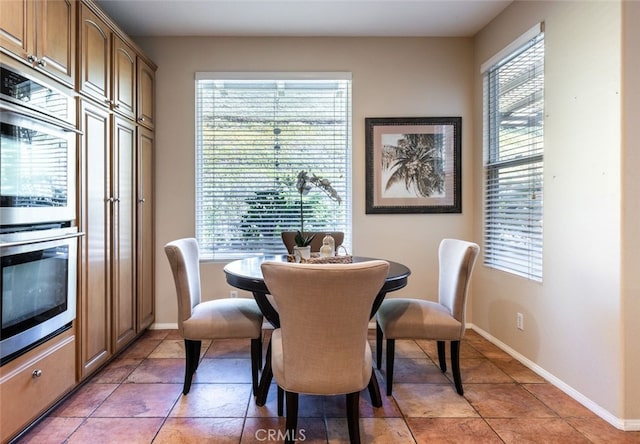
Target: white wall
398, 77
574, 318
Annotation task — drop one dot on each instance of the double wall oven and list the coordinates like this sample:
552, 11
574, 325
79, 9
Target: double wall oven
38, 235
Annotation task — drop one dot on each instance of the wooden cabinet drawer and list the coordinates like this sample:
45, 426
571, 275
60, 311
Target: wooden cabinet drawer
24, 395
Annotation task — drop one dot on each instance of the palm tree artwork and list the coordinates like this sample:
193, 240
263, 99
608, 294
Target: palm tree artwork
413, 165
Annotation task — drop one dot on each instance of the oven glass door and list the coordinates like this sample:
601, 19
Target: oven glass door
38, 281
37, 166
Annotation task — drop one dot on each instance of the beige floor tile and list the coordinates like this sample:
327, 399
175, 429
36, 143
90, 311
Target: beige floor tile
213, 401
372, 431
431, 401
200, 430
229, 348
169, 370
532, 430
518, 371
117, 371
141, 349
601, 432
116, 430
452, 430
416, 371
558, 401
85, 401
228, 370
505, 401
52, 430
139, 400
480, 371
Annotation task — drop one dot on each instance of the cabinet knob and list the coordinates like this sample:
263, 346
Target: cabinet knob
109, 199
42, 63
32, 58
141, 118
36, 373
141, 200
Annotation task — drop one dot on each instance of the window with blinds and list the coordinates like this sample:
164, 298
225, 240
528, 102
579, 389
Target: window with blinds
513, 129
254, 134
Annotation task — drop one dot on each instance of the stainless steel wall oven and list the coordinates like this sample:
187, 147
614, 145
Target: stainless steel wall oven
38, 271
37, 150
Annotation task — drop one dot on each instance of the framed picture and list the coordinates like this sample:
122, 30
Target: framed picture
413, 165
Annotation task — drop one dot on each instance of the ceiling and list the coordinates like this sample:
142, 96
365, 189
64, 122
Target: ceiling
386, 18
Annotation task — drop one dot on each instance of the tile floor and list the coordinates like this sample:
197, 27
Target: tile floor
137, 399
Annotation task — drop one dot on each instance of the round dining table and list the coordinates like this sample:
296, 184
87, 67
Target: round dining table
246, 274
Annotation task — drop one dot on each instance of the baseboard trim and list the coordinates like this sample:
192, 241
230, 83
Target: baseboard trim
627, 425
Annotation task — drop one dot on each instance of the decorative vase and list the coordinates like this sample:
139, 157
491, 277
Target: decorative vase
301, 252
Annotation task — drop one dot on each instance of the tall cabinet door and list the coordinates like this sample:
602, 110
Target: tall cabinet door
145, 230
124, 224
94, 303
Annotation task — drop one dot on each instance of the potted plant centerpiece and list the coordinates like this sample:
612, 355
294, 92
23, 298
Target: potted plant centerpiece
306, 182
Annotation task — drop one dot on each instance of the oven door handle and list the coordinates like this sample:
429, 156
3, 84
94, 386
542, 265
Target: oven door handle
41, 240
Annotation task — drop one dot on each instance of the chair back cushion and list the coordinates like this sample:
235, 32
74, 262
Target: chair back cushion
456, 261
183, 255
321, 346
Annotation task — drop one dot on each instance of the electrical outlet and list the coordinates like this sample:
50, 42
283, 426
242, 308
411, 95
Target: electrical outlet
233, 294
520, 321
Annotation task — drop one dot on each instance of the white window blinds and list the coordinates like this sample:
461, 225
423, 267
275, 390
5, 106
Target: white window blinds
513, 128
254, 134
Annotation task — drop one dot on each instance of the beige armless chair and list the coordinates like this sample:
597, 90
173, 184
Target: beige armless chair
289, 239
403, 318
321, 346
215, 319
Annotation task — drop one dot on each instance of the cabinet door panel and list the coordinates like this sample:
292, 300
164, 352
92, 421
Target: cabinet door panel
124, 288
56, 38
95, 252
16, 26
95, 57
146, 91
124, 78
145, 227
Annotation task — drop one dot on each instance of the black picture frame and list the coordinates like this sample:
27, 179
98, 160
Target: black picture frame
413, 165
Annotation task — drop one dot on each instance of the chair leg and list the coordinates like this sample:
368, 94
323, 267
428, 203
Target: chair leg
441, 356
374, 390
292, 417
280, 401
378, 346
455, 366
353, 417
256, 359
192, 358
391, 350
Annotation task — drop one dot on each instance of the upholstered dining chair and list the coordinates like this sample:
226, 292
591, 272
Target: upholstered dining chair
321, 346
289, 239
227, 318
404, 318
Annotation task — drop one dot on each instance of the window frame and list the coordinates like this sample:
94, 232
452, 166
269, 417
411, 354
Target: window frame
519, 173
343, 183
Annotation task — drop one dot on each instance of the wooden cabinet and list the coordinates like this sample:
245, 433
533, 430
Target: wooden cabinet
108, 285
117, 86
95, 56
123, 242
41, 33
123, 90
31, 383
94, 290
145, 229
146, 94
